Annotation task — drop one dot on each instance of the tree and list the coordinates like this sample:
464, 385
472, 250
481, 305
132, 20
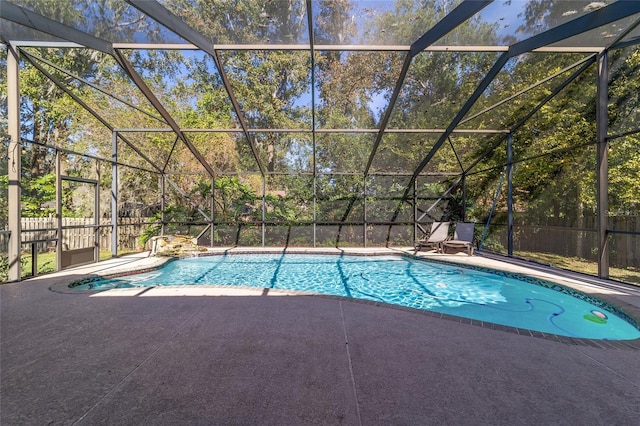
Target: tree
624, 158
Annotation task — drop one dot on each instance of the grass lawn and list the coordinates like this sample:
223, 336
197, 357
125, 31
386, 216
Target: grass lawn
629, 275
47, 261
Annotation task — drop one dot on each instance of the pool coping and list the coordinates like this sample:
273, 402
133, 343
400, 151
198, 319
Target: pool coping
611, 303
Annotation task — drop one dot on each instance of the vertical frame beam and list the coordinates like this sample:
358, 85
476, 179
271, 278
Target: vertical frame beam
14, 159
364, 210
602, 173
510, 194
264, 207
312, 54
212, 206
114, 194
415, 210
464, 197
34, 259
58, 210
96, 230
163, 203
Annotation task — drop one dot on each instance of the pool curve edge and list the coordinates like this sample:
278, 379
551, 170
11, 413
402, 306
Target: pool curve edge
626, 311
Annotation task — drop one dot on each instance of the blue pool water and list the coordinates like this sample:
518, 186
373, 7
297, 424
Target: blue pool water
397, 280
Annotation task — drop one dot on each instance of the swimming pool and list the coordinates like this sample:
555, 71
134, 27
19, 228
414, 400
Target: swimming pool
399, 280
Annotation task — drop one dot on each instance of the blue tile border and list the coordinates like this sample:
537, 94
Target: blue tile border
605, 305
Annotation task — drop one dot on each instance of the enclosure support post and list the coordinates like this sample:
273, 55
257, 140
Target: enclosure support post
114, 194
58, 211
602, 172
415, 210
264, 207
510, 195
163, 203
96, 230
364, 211
464, 197
315, 203
312, 55
13, 162
213, 211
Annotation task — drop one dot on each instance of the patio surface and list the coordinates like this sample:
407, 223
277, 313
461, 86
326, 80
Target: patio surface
132, 358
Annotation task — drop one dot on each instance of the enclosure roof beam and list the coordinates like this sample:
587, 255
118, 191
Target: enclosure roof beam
91, 111
352, 130
151, 97
606, 15
43, 24
458, 16
45, 44
162, 15
344, 47
317, 47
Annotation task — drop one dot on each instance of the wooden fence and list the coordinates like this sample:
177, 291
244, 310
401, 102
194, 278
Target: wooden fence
553, 237
79, 233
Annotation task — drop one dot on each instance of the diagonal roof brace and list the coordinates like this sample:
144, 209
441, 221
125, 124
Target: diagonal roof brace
584, 65
165, 17
148, 93
458, 16
606, 15
38, 22
186, 197
574, 75
89, 109
92, 85
531, 87
33, 20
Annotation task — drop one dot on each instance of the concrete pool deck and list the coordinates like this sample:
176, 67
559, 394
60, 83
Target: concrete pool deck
93, 358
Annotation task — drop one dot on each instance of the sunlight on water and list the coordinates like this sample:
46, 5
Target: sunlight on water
396, 280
